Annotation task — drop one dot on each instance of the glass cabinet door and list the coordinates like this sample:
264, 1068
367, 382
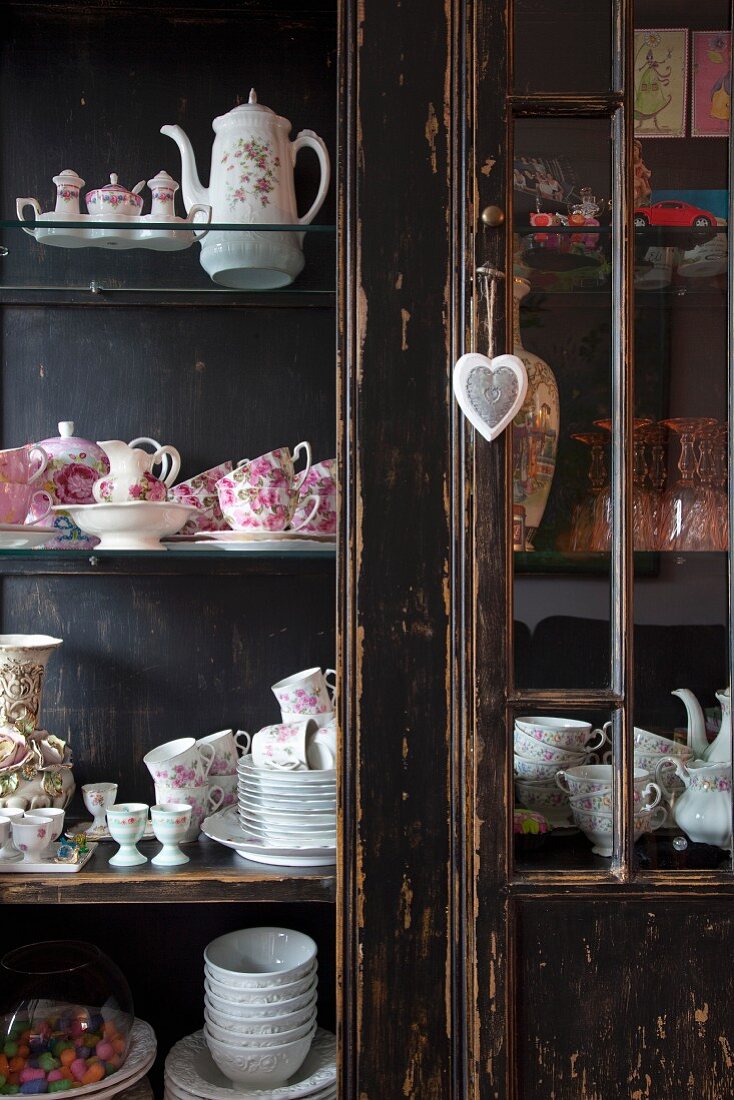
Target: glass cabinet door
614, 249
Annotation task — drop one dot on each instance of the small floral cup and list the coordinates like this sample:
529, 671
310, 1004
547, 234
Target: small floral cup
306, 693
319, 482
201, 492
202, 800
180, 763
225, 744
31, 836
291, 747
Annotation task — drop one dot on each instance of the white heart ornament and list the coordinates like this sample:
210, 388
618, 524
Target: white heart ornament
490, 392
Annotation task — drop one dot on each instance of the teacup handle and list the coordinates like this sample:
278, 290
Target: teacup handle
306, 447
602, 733
562, 782
174, 457
242, 740
215, 798
331, 684
41, 518
655, 791
200, 208
310, 515
658, 816
206, 753
20, 205
44, 462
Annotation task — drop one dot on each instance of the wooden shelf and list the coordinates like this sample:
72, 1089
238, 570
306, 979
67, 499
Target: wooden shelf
215, 873
33, 563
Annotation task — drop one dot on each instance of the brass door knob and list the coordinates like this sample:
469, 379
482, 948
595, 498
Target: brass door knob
493, 216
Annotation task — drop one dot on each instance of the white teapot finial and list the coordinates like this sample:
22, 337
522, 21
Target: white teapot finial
253, 96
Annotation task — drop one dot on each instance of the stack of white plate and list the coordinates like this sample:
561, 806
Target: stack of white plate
191, 1074
260, 1004
287, 808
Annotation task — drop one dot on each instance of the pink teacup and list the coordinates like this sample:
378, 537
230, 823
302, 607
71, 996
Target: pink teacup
22, 465
201, 492
23, 504
179, 763
320, 481
262, 493
306, 693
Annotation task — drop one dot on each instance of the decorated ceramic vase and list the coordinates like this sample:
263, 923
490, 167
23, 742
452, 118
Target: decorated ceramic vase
73, 467
534, 431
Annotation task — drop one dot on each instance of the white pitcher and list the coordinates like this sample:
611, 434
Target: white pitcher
251, 182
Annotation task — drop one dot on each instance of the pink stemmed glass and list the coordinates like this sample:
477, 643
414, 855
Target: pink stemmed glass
680, 524
643, 520
582, 525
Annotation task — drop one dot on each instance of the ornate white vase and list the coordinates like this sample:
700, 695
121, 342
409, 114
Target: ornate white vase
534, 432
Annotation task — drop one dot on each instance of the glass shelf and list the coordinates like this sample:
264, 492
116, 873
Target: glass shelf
174, 559
126, 259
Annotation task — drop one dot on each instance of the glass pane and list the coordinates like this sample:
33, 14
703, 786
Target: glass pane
563, 791
681, 396
562, 47
563, 329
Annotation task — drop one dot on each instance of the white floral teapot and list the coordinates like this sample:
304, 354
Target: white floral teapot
251, 182
704, 809
131, 475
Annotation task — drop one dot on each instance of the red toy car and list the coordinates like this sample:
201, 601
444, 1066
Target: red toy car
673, 212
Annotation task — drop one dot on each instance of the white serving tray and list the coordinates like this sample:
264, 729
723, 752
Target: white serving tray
45, 866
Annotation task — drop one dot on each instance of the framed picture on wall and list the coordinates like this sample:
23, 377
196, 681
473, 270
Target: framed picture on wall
711, 99
660, 82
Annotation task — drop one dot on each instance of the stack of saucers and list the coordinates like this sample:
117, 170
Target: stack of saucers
260, 1004
287, 808
542, 747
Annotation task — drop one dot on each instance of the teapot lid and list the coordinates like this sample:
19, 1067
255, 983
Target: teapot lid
251, 107
66, 439
68, 178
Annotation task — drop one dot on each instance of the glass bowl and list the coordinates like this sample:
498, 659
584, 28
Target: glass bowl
66, 1013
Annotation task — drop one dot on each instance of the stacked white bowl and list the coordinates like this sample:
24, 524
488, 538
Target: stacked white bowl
287, 808
260, 1004
542, 746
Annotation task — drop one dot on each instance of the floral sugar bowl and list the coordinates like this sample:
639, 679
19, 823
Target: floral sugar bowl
74, 464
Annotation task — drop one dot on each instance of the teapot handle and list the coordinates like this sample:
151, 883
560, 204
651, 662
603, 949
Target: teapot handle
20, 205
175, 464
313, 141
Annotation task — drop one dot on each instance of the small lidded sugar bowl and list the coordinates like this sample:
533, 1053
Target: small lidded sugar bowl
115, 201
68, 185
163, 189
74, 465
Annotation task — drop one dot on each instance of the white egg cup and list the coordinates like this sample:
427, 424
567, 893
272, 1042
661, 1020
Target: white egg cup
171, 821
31, 836
126, 822
8, 851
55, 818
98, 797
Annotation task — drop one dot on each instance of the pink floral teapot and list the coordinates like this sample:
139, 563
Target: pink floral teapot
131, 475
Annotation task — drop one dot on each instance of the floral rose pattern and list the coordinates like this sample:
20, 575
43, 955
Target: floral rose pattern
67, 193
180, 775
251, 172
201, 492
73, 483
146, 487
260, 495
320, 482
303, 701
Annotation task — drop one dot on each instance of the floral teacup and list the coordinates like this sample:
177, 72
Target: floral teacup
286, 747
180, 763
224, 745
532, 749
22, 465
306, 693
319, 482
21, 503
201, 492
262, 493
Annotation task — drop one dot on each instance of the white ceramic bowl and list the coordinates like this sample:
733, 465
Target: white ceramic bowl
259, 1038
259, 1025
243, 1003
259, 958
256, 1067
265, 995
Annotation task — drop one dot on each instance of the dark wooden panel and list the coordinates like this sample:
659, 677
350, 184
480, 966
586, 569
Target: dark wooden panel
398, 350
216, 383
625, 999
147, 659
163, 961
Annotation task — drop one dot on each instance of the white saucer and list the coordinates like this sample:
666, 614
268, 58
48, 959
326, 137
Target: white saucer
191, 1072
22, 536
132, 525
270, 536
224, 827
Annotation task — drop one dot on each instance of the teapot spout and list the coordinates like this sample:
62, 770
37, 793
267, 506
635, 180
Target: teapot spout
697, 740
191, 187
